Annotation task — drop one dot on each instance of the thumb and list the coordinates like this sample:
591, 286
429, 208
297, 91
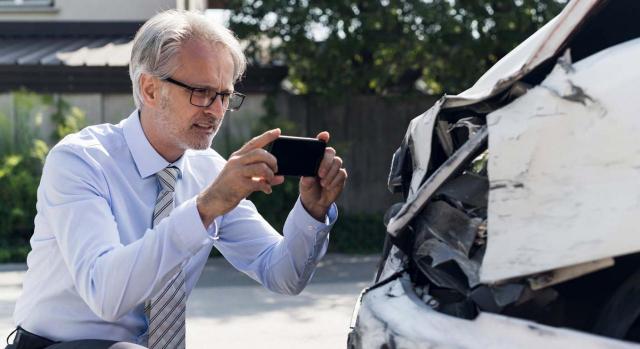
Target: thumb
324, 136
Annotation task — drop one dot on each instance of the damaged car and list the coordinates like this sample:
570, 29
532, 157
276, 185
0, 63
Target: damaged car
520, 221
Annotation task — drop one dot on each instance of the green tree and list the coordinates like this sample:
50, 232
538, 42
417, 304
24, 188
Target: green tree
336, 47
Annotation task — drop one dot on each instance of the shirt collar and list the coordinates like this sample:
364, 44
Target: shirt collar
146, 158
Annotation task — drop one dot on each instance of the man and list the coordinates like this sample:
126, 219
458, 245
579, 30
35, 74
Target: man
128, 213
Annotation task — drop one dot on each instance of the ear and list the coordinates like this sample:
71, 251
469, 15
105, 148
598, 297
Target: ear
150, 90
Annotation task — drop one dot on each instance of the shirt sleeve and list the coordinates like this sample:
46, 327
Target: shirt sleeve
282, 263
112, 278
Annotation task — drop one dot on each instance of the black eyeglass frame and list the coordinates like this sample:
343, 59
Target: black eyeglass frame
222, 95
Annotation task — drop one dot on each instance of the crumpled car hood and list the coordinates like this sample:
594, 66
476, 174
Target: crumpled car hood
521, 199
538, 48
564, 165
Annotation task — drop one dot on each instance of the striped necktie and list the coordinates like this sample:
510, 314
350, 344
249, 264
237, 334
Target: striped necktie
166, 311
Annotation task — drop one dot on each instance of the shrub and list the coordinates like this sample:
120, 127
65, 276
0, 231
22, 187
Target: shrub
22, 155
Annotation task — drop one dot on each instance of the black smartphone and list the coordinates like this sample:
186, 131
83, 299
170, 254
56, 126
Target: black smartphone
297, 156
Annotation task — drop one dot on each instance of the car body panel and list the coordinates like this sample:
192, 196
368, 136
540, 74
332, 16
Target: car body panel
527, 215
562, 157
382, 323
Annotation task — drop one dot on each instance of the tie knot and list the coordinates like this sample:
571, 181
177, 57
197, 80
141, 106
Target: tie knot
168, 177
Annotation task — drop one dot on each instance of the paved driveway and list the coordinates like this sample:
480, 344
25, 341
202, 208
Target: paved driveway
229, 310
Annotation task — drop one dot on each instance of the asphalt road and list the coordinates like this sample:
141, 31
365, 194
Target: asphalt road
229, 310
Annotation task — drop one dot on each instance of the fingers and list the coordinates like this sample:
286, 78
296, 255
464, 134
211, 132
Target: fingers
327, 161
259, 141
277, 180
260, 170
324, 136
261, 184
339, 180
331, 173
258, 156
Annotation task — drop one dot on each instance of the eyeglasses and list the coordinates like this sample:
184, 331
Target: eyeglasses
204, 97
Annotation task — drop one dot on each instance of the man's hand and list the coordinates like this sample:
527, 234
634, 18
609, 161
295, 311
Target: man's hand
318, 193
249, 169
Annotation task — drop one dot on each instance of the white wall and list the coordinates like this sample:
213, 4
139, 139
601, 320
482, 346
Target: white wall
92, 10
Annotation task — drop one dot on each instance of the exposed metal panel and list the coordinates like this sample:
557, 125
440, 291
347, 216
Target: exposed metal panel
564, 165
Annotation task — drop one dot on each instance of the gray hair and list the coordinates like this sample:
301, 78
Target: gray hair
159, 40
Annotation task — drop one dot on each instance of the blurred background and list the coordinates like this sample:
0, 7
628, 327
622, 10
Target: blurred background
360, 69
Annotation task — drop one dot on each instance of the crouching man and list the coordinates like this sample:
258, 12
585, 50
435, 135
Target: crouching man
128, 213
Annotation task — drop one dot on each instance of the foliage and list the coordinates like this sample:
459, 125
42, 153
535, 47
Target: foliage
357, 233
22, 156
333, 47
352, 233
67, 118
276, 206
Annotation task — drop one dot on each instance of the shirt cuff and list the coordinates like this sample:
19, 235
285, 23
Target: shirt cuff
187, 229
304, 220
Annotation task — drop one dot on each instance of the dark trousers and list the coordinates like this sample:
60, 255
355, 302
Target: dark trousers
27, 340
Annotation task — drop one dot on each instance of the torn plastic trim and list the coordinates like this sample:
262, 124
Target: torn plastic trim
419, 139
415, 204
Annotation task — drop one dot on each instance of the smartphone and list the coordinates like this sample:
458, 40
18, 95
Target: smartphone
297, 156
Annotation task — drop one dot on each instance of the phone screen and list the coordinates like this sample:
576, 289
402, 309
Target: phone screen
297, 156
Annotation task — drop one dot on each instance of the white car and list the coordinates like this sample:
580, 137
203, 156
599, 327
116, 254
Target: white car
521, 221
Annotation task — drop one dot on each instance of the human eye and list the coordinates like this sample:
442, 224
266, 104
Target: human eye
201, 92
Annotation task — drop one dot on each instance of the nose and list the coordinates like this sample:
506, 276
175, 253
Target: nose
216, 108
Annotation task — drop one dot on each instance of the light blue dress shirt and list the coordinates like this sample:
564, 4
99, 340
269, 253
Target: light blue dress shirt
95, 260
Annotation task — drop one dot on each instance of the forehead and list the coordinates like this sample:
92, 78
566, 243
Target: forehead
205, 64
